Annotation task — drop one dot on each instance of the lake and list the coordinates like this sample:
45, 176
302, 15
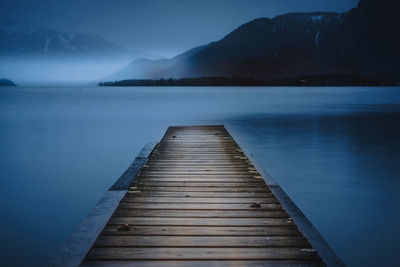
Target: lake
335, 151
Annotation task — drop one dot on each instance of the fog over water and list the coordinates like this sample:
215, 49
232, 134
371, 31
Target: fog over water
59, 71
335, 151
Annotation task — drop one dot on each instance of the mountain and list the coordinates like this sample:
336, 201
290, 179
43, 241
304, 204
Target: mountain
21, 39
363, 41
6, 82
35, 55
147, 68
368, 40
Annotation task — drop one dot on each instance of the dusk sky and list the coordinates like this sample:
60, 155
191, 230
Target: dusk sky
160, 27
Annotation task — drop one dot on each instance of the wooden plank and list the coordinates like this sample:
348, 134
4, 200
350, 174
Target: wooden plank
211, 164
242, 168
203, 154
223, 150
195, 157
201, 241
284, 222
195, 140
229, 173
200, 174
208, 200
178, 145
164, 253
200, 194
198, 156
174, 182
196, 151
199, 183
200, 189
199, 137
170, 230
199, 161
195, 148
123, 212
197, 263
201, 206
202, 178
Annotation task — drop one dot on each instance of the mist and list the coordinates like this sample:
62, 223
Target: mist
59, 71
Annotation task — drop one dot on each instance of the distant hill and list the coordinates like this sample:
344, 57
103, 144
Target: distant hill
363, 41
6, 82
31, 54
22, 39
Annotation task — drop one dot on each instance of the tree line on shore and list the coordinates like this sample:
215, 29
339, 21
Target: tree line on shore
308, 80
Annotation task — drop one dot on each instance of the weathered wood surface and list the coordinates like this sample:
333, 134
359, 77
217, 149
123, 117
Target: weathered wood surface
197, 263
150, 230
199, 201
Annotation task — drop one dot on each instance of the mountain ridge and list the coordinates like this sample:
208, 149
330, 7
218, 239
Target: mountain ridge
35, 55
22, 39
361, 41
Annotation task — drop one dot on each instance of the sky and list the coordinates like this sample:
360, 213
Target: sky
162, 27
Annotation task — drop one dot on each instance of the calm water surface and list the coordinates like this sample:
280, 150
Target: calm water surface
336, 152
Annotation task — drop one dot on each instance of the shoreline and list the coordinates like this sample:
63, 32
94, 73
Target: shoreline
315, 80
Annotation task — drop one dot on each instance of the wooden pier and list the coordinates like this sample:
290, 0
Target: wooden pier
196, 200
